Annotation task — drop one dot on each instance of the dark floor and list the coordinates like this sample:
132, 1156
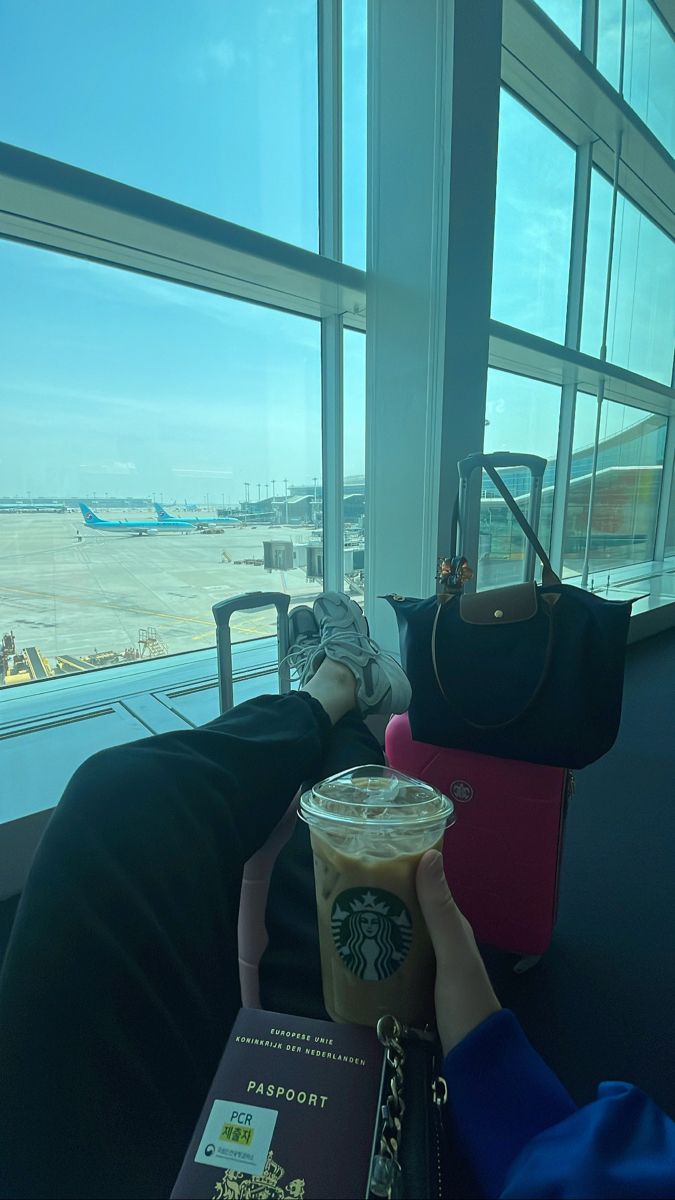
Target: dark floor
600, 1005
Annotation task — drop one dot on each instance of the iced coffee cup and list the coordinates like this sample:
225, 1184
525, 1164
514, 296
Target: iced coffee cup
369, 827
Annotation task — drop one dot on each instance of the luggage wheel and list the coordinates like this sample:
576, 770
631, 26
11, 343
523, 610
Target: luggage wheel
526, 963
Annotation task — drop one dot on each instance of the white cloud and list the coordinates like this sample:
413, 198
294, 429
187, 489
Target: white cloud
201, 473
113, 468
223, 53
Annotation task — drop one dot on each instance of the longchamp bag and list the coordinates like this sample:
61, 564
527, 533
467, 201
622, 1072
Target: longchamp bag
526, 672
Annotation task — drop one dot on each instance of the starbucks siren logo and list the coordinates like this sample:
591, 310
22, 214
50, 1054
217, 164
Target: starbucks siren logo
372, 931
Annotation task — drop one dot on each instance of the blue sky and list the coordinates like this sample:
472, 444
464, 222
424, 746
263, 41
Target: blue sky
126, 385
130, 385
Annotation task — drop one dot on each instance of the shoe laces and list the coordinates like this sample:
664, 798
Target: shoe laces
300, 655
365, 642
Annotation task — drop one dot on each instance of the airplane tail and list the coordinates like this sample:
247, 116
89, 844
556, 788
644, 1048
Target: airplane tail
162, 514
89, 516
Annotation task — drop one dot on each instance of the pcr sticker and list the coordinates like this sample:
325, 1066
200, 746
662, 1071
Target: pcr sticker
237, 1136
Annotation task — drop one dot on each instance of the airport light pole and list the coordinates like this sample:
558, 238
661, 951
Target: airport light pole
274, 494
286, 493
259, 487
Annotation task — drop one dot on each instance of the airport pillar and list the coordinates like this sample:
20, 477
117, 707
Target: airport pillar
433, 115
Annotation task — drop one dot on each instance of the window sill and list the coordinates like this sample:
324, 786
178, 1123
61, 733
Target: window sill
48, 729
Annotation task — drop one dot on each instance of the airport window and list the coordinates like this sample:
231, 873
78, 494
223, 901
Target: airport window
641, 324
128, 393
627, 487
608, 58
566, 14
521, 415
216, 105
649, 63
354, 55
354, 461
533, 223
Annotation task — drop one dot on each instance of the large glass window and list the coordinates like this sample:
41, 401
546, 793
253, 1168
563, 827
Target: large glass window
533, 223
522, 416
641, 329
126, 393
210, 104
354, 105
354, 460
628, 481
566, 14
649, 63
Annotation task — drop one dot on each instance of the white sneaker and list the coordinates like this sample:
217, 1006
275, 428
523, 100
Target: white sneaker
381, 684
303, 642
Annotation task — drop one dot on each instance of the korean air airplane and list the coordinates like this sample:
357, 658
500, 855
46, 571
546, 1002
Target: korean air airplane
166, 518
140, 527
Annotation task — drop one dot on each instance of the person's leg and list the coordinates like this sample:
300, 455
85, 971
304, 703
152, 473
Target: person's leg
120, 983
290, 968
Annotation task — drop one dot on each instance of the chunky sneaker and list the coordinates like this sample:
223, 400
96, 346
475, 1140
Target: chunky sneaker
381, 684
303, 642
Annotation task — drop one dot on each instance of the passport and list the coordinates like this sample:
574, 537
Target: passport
292, 1113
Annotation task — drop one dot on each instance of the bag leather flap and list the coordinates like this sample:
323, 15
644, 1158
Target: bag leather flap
500, 606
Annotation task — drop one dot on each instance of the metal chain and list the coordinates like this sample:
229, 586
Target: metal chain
385, 1178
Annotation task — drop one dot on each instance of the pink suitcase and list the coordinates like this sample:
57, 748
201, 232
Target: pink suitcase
502, 855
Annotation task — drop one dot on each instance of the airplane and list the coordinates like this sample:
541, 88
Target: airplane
135, 527
166, 518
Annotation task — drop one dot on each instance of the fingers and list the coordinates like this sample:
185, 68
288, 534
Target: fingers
447, 927
464, 995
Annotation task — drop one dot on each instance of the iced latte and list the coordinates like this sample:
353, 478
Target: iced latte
369, 827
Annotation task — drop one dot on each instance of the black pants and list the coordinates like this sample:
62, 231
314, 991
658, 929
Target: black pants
121, 983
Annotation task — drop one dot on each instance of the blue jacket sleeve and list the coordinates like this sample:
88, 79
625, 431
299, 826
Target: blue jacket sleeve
524, 1137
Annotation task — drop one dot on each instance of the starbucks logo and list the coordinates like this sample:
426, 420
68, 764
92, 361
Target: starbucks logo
372, 932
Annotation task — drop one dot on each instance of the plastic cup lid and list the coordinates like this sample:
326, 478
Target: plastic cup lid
376, 794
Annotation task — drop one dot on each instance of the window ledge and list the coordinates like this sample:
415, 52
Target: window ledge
48, 729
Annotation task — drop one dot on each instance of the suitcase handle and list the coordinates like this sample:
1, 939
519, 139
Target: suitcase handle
222, 613
502, 458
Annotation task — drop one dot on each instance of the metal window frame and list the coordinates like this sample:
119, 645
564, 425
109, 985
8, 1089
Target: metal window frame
55, 206
330, 244
561, 85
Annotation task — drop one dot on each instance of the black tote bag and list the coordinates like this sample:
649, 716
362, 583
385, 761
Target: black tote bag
526, 672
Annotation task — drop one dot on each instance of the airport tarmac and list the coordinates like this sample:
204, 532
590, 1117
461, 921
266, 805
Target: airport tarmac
72, 591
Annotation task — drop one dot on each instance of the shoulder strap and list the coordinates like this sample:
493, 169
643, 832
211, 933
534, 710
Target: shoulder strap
549, 576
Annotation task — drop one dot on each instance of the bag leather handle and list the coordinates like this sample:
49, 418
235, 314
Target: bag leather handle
542, 678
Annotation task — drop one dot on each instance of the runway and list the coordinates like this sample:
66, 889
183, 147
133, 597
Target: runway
71, 591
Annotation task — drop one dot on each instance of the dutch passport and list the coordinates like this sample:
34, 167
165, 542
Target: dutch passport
292, 1113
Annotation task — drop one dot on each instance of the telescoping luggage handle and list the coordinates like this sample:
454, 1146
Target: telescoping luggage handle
536, 466
222, 612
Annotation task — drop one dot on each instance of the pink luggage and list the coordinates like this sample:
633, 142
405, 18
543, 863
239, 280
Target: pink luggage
502, 855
